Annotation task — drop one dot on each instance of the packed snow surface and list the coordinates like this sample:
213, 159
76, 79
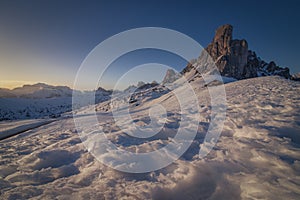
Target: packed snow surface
256, 157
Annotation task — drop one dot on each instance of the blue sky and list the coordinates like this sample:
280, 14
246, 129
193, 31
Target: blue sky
46, 41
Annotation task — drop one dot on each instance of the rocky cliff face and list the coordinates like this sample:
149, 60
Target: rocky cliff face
233, 58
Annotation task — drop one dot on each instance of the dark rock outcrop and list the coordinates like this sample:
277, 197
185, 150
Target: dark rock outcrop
233, 58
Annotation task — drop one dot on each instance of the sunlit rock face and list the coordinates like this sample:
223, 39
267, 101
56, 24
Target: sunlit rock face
233, 58
229, 54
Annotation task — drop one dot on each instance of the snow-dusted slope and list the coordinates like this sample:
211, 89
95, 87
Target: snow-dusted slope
32, 102
28, 108
256, 157
11, 128
22, 108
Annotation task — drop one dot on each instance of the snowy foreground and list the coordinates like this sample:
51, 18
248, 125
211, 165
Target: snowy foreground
256, 157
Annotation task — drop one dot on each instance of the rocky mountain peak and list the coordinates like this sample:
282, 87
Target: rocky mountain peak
229, 54
222, 39
233, 58
224, 31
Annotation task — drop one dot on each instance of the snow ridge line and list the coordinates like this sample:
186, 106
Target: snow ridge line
23, 128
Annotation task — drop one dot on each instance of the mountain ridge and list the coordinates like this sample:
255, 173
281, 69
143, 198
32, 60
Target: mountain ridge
38, 90
233, 58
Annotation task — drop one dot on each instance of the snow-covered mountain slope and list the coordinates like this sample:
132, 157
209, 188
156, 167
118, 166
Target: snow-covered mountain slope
31, 103
33, 108
11, 128
23, 108
256, 157
134, 96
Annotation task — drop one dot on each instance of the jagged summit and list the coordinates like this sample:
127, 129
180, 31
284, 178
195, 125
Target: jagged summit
230, 55
170, 77
233, 58
222, 39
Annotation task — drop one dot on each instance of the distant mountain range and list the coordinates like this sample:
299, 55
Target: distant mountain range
43, 101
42, 90
39, 90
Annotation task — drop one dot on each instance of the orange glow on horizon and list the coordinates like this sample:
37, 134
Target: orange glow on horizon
11, 84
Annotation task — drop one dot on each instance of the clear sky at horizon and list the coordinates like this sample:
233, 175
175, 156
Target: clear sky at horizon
46, 41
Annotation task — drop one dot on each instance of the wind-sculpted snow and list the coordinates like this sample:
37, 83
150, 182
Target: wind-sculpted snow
256, 157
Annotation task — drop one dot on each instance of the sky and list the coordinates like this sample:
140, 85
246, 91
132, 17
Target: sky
47, 41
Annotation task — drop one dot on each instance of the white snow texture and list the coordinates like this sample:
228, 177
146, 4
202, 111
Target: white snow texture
256, 157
